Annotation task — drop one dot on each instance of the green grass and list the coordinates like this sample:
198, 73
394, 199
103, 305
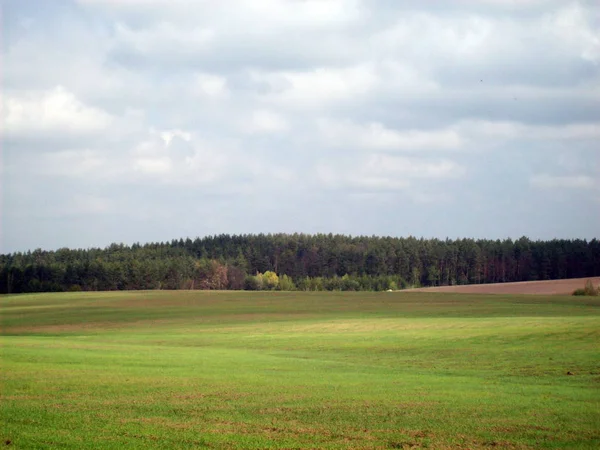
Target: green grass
299, 370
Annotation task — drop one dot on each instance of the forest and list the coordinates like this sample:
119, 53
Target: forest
297, 262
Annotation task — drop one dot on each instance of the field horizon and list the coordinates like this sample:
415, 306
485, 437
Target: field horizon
564, 286
204, 369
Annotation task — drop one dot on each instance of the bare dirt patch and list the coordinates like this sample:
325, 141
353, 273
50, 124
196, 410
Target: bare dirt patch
549, 287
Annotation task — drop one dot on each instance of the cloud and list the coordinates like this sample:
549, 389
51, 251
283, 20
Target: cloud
273, 14
168, 135
90, 204
151, 166
178, 157
210, 85
461, 135
164, 38
298, 115
575, 27
53, 111
315, 88
462, 47
77, 163
386, 172
376, 136
545, 181
263, 121
509, 130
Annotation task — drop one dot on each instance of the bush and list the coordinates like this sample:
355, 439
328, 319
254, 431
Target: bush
588, 290
286, 284
270, 280
253, 283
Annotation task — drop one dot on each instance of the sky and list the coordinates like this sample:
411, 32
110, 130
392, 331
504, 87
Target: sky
151, 120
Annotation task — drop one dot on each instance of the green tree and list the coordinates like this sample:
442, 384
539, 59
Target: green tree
286, 283
270, 280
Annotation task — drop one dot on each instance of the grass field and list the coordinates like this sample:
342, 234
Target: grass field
299, 370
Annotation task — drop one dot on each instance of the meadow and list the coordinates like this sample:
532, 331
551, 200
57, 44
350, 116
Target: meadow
203, 369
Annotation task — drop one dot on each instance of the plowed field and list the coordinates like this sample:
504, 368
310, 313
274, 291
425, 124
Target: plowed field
550, 287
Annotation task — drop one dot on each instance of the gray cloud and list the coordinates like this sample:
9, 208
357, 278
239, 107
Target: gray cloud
138, 120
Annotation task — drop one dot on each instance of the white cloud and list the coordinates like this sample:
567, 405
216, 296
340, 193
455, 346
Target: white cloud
510, 130
90, 204
316, 87
168, 135
402, 77
452, 36
270, 14
378, 137
468, 45
545, 181
263, 121
461, 135
164, 38
78, 163
413, 167
181, 158
307, 14
574, 26
385, 172
151, 156
153, 166
73, 55
76, 205
210, 85
54, 111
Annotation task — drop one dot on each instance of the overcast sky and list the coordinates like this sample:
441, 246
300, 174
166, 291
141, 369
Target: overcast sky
147, 120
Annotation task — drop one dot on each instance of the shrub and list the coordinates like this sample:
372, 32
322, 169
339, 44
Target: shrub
588, 290
286, 284
270, 280
253, 283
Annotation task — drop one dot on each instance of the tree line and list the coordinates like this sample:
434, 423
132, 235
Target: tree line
298, 261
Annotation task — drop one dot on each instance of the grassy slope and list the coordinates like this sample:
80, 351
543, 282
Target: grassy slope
309, 370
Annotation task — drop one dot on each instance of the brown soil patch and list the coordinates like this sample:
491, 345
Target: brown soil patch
549, 287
